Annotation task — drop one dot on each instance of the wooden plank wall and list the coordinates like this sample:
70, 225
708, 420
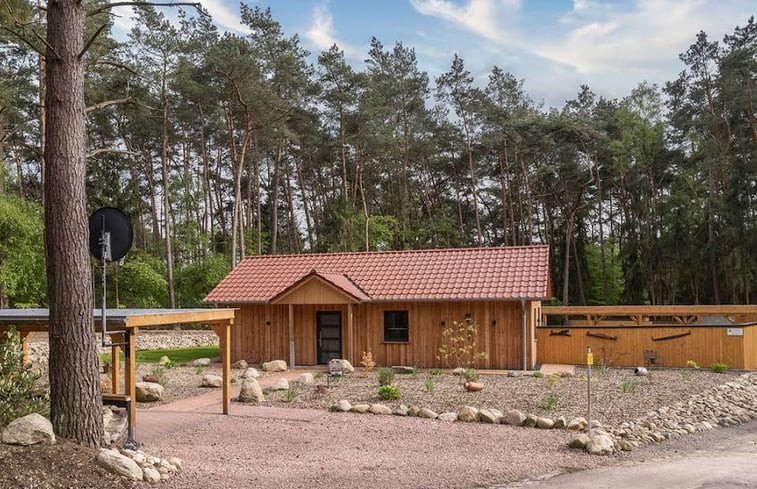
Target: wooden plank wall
705, 345
255, 341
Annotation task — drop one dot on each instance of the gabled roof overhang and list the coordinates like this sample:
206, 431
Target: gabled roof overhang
317, 287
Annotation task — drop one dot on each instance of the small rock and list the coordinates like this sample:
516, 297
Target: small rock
579, 441
250, 373
401, 410
307, 378
148, 391
468, 414
625, 445
413, 411
515, 373
201, 362
515, 417
164, 360
275, 366
251, 392
151, 378
212, 380
600, 444
641, 371
241, 365
458, 371
120, 464
531, 420
560, 423
29, 430
176, 462
139, 458
487, 416
449, 417
577, 424
360, 408
151, 475
427, 413
403, 370
545, 423
342, 406
380, 409
281, 385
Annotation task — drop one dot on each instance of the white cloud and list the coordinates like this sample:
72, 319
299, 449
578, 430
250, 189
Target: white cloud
483, 17
322, 35
642, 39
223, 17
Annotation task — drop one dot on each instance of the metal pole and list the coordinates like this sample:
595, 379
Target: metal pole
103, 252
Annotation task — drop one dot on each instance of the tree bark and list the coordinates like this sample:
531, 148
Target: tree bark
75, 406
166, 185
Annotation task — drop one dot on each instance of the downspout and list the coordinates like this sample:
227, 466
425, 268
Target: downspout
525, 334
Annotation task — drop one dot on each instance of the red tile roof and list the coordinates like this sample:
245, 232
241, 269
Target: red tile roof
337, 280
504, 273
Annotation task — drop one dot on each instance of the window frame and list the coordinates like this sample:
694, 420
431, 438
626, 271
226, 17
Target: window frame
395, 313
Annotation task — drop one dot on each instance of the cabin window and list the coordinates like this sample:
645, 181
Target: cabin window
396, 328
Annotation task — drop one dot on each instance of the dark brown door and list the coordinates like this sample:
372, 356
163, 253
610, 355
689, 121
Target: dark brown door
329, 335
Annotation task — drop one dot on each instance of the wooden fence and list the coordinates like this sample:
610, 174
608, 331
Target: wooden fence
667, 336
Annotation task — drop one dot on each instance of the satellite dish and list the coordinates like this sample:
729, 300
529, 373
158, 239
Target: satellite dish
110, 234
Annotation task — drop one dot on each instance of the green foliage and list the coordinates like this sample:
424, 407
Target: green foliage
176, 355
719, 367
386, 376
430, 385
537, 375
389, 392
551, 401
142, 282
470, 374
552, 380
612, 274
435, 371
21, 392
460, 345
292, 393
160, 373
629, 386
22, 256
692, 364
199, 370
195, 280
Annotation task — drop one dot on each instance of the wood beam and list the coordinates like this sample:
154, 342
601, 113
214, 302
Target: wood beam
291, 335
350, 336
130, 373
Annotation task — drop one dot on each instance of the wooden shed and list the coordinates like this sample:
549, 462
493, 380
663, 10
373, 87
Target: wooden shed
311, 308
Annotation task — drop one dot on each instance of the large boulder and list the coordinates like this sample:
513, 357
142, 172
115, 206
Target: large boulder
251, 392
281, 385
403, 369
275, 366
600, 444
488, 416
306, 378
515, 417
579, 441
577, 424
29, 430
347, 367
149, 391
120, 464
380, 409
342, 406
427, 413
545, 423
212, 380
151, 474
241, 364
360, 408
449, 417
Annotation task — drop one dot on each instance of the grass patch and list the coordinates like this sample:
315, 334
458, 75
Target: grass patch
177, 355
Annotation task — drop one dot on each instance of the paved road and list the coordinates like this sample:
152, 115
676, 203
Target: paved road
730, 462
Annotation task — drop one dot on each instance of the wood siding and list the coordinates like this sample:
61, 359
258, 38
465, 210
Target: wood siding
261, 332
703, 344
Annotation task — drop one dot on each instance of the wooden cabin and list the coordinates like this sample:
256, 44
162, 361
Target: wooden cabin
311, 308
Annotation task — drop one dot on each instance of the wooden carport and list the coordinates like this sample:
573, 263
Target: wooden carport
123, 325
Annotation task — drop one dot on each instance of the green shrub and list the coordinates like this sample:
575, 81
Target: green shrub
719, 367
20, 389
551, 401
470, 374
199, 370
389, 392
537, 375
435, 371
292, 394
430, 385
629, 386
386, 376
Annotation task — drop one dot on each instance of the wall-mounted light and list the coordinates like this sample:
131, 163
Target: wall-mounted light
494, 322
469, 318
268, 323
444, 323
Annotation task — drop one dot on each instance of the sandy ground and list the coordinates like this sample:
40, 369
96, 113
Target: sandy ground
361, 451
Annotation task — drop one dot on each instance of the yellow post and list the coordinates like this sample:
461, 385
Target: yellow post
130, 373
224, 339
24, 348
115, 367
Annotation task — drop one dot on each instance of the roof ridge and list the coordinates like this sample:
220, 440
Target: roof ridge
397, 252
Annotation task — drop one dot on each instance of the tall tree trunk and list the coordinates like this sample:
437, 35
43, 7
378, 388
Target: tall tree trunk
711, 237
605, 294
166, 185
19, 173
75, 406
42, 105
273, 204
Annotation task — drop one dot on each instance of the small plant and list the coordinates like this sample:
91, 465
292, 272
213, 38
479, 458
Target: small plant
367, 363
537, 375
319, 375
629, 386
292, 394
416, 372
429, 384
550, 402
160, 373
552, 380
386, 376
435, 371
470, 374
719, 367
199, 370
169, 364
459, 345
692, 364
389, 392
20, 389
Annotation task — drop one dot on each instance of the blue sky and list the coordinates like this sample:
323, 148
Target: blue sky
555, 45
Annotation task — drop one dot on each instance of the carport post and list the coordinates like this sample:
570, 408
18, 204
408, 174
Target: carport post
291, 335
525, 334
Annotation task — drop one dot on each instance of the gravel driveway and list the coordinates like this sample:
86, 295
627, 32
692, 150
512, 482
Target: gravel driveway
361, 451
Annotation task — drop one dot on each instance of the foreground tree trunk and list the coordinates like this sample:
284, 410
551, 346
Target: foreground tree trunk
75, 409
